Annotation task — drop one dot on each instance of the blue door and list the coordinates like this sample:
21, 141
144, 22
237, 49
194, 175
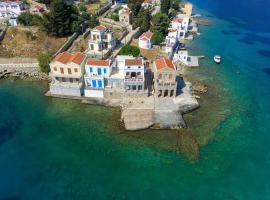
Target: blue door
99, 71
94, 83
99, 83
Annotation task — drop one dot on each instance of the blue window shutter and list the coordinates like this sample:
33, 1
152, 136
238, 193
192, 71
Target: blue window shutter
100, 83
99, 71
94, 83
91, 69
105, 71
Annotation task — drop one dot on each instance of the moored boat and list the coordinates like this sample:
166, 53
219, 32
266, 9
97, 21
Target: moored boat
217, 59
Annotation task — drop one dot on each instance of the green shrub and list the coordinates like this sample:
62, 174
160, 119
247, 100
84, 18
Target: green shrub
44, 60
130, 50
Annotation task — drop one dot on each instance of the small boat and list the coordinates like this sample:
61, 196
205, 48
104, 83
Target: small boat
217, 59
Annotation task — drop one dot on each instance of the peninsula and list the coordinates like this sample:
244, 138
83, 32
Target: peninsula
134, 59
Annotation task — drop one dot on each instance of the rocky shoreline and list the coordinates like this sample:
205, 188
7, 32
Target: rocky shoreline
23, 74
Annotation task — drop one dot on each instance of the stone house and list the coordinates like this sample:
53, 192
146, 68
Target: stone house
101, 43
67, 74
165, 78
96, 77
125, 16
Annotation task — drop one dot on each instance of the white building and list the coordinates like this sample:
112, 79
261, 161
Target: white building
96, 77
183, 57
185, 20
134, 75
125, 16
145, 40
116, 79
101, 43
10, 10
171, 40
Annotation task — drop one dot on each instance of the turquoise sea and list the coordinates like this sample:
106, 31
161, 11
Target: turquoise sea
59, 149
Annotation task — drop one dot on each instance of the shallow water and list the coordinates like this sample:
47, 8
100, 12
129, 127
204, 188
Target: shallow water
59, 149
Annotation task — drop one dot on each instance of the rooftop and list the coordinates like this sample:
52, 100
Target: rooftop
100, 28
146, 36
98, 62
134, 62
164, 63
66, 58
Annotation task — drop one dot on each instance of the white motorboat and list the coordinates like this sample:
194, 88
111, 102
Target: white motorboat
217, 59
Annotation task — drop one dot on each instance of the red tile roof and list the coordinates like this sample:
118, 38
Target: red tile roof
163, 63
98, 62
133, 62
146, 36
178, 20
66, 57
100, 27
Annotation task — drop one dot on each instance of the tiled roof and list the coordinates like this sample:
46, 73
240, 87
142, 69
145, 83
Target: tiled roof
147, 1
100, 28
66, 57
146, 36
172, 30
133, 62
125, 10
163, 63
178, 20
98, 62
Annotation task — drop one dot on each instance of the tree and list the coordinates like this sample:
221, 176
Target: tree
143, 20
47, 2
175, 4
160, 23
130, 50
25, 19
59, 20
135, 6
44, 60
115, 17
165, 6
93, 21
157, 38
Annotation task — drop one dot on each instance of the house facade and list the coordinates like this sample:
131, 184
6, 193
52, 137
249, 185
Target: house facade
101, 43
145, 40
125, 16
134, 75
10, 10
165, 78
182, 56
67, 74
96, 77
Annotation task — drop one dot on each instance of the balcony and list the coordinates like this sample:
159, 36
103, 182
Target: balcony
134, 79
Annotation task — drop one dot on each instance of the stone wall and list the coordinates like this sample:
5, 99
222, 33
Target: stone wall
67, 44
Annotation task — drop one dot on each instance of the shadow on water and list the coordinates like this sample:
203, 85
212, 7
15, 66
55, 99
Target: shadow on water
9, 121
267, 71
265, 53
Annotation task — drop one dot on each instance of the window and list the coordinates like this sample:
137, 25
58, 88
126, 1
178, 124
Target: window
69, 71
127, 74
105, 71
139, 67
140, 87
92, 47
94, 83
138, 73
170, 76
77, 80
128, 67
75, 70
64, 79
99, 71
160, 76
55, 68
91, 70
134, 87
100, 85
62, 70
